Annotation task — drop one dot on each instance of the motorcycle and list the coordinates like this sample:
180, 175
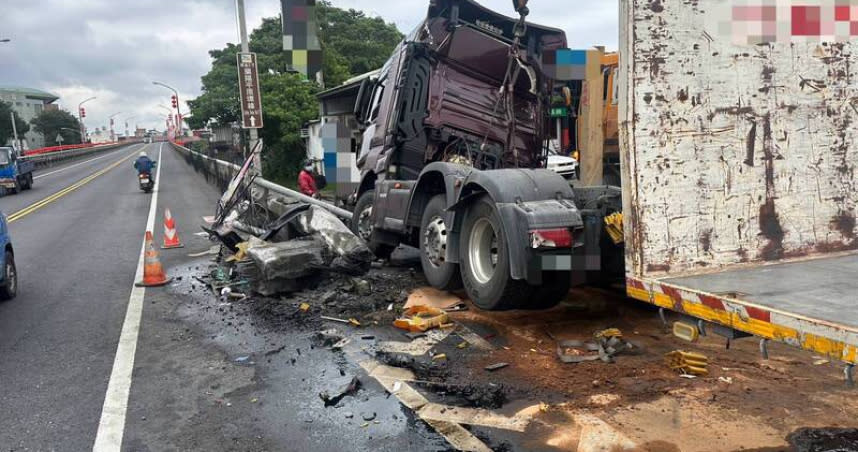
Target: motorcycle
147, 183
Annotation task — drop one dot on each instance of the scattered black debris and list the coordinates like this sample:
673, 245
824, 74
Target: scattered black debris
488, 396
342, 387
824, 439
368, 416
423, 368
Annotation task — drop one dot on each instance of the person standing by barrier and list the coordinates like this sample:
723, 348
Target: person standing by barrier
307, 181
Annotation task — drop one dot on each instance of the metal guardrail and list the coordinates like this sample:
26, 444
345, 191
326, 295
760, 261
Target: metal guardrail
232, 169
48, 158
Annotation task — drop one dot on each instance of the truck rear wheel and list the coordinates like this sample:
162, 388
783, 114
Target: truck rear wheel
485, 261
362, 225
433, 247
28, 182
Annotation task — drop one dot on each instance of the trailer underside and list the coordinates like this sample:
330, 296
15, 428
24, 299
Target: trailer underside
808, 303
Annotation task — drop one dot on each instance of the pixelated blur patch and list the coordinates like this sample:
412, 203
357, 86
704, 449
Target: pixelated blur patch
769, 21
565, 64
301, 45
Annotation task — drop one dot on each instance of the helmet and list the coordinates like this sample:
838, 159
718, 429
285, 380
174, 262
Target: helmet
143, 154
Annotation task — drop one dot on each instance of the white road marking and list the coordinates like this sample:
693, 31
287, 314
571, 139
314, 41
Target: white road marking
72, 166
112, 425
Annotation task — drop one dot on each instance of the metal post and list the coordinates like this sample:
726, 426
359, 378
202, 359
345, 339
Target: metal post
15, 131
245, 48
764, 348
80, 120
848, 373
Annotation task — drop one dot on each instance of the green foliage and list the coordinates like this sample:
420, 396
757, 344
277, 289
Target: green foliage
6, 132
353, 44
52, 122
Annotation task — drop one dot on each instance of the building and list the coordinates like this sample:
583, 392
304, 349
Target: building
28, 103
333, 139
99, 135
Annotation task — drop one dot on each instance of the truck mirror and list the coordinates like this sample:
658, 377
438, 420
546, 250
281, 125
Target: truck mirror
363, 98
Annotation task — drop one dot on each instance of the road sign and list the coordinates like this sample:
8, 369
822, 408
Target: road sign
248, 82
559, 112
60, 139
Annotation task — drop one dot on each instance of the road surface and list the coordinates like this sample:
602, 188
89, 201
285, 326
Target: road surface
87, 361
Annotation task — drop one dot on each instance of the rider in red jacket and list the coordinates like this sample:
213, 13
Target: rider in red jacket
307, 181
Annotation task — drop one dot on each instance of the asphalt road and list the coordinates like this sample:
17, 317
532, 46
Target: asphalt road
68, 341
77, 255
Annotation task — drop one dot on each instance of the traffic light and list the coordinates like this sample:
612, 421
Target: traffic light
175, 101
82, 113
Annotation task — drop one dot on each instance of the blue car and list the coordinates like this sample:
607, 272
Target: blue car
9, 277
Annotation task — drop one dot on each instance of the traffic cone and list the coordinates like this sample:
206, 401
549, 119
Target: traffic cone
171, 236
153, 273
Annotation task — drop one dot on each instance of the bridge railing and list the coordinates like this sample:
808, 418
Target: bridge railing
221, 173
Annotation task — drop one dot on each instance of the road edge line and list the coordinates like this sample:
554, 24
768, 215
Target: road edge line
111, 426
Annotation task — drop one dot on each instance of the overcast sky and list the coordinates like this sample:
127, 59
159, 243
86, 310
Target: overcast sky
115, 49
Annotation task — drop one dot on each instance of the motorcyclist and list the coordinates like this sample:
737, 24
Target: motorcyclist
143, 164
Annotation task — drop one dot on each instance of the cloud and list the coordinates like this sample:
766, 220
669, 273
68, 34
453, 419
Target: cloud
114, 50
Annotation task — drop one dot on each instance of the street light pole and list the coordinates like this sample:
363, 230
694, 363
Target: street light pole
178, 102
15, 131
112, 134
80, 119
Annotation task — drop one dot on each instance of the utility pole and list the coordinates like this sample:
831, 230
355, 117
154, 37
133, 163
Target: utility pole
80, 115
245, 48
15, 132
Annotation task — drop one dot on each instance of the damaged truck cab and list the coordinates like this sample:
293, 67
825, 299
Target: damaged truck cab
453, 156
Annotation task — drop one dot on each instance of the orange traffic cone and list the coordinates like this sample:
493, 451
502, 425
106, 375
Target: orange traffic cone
171, 236
153, 273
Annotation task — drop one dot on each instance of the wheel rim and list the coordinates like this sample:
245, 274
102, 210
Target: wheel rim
435, 241
11, 277
483, 250
364, 222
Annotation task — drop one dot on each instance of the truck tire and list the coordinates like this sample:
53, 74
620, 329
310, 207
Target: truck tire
29, 182
9, 289
441, 274
362, 225
554, 289
485, 262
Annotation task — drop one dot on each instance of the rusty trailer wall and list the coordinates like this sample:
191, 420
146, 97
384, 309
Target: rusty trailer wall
735, 152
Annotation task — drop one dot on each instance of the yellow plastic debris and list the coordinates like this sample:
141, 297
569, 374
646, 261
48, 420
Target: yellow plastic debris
304, 307
610, 332
687, 362
462, 345
354, 322
614, 227
421, 318
439, 357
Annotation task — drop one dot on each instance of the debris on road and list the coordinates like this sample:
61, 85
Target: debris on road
497, 366
342, 387
608, 344
421, 318
438, 299
687, 362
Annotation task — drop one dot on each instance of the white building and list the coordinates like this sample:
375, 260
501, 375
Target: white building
28, 103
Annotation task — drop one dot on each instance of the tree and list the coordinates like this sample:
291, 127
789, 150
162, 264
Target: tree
352, 43
6, 131
51, 123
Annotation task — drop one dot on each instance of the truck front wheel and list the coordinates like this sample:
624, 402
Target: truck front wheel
485, 261
433, 247
362, 225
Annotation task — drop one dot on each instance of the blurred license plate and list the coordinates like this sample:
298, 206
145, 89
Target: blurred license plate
144, 180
